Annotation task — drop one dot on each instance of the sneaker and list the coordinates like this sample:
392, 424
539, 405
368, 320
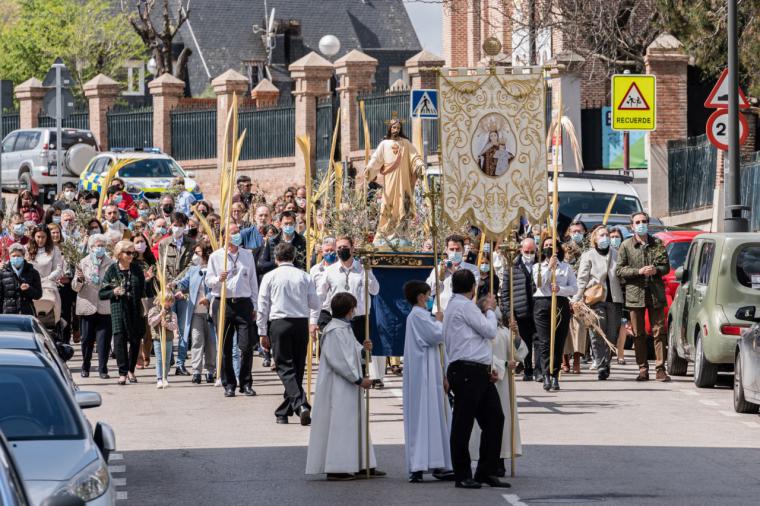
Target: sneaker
159, 384
166, 383
594, 366
662, 376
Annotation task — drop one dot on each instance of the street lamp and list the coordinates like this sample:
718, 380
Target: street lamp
329, 45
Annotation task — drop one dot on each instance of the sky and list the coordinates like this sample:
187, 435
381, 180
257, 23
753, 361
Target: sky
427, 18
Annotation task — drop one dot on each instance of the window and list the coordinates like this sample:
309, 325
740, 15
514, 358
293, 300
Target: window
9, 142
748, 266
71, 137
573, 203
152, 167
398, 72
677, 253
135, 78
707, 253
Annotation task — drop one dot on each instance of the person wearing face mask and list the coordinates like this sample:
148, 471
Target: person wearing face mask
28, 208
67, 198
20, 284
287, 234
242, 291
175, 254
123, 200
113, 218
484, 280
199, 328
166, 207
329, 257
147, 262
642, 262
577, 344
94, 313
597, 268
523, 288
565, 286
453, 263
185, 199
244, 194
616, 239
68, 224
47, 260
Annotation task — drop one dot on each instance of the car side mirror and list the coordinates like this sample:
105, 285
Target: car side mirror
63, 500
88, 399
190, 174
65, 351
746, 313
105, 439
681, 274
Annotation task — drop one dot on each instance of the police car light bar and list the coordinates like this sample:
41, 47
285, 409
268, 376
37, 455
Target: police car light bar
136, 150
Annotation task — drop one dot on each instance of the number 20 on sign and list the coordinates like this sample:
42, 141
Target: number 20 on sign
633, 102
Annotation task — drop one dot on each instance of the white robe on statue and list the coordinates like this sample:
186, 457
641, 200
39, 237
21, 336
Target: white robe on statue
427, 414
500, 343
337, 439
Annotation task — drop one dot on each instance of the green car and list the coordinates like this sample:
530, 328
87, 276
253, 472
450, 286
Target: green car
720, 275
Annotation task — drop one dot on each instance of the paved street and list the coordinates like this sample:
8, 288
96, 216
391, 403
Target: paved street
617, 442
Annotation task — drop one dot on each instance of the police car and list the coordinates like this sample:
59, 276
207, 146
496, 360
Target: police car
147, 177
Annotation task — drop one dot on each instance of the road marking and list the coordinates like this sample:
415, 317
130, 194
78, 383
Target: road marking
119, 482
689, 392
754, 425
513, 499
709, 403
121, 496
396, 392
729, 413
117, 469
115, 456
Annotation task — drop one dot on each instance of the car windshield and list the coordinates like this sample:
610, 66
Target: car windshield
152, 167
748, 266
677, 253
34, 405
573, 203
15, 324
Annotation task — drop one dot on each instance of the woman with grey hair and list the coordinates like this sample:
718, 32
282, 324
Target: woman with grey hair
94, 314
19, 283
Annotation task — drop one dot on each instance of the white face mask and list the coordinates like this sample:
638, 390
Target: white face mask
178, 232
196, 259
529, 258
140, 247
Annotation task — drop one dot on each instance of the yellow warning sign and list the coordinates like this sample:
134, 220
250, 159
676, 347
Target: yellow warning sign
633, 102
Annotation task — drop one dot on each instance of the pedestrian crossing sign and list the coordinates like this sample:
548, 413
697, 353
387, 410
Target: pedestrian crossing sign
424, 104
633, 102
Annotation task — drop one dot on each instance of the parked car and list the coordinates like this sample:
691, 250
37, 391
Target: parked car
720, 275
51, 440
29, 158
591, 220
24, 332
747, 364
147, 177
12, 490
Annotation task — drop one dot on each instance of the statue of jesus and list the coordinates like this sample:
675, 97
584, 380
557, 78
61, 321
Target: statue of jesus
400, 165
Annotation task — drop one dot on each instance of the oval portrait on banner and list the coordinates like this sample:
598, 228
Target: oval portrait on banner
493, 144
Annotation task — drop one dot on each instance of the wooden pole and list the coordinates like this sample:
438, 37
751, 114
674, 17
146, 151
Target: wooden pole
555, 204
511, 357
433, 193
309, 248
367, 359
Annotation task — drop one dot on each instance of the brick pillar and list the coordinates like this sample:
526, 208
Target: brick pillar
455, 32
311, 75
29, 95
101, 92
166, 91
666, 59
265, 93
226, 86
566, 76
423, 69
355, 71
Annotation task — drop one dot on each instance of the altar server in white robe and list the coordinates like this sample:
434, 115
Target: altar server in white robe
501, 345
337, 439
427, 414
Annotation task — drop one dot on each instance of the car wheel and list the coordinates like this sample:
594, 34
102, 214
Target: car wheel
24, 181
705, 373
676, 365
740, 403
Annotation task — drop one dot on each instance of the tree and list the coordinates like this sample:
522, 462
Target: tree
87, 34
159, 40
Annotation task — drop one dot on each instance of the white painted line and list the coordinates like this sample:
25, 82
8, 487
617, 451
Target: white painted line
117, 469
121, 496
689, 392
115, 456
396, 392
513, 499
119, 482
753, 425
709, 403
732, 414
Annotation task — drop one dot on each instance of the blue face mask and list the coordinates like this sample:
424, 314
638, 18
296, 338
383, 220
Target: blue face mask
485, 267
19, 229
331, 257
236, 239
615, 242
57, 220
161, 231
603, 243
455, 257
430, 303
143, 212
577, 237
641, 228
117, 198
288, 229
17, 262
99, 251
537, 239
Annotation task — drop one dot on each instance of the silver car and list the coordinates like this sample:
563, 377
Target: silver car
29, 156
747, 364
56, 450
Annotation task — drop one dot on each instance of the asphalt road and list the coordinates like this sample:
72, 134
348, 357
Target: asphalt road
614, 442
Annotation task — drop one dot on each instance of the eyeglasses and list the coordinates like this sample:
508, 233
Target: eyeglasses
130, 253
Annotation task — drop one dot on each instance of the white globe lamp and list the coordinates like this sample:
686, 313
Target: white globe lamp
329, 45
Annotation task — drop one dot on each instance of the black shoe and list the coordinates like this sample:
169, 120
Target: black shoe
85, 374
527, 377
373, 473
555, 383
547, 382
181, 371
603, 374
209, 377
415, 477
196, 378
492, 481
267, 363
443, 474
468, 483
501, 470
247, 390
104, 376
229, 391
283, 420
305, 416
340, 477
538, 377
378, 384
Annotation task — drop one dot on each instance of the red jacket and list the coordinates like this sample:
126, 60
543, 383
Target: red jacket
127, 205
33, 213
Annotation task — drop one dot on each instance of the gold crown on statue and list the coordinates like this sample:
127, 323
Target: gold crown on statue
394, 119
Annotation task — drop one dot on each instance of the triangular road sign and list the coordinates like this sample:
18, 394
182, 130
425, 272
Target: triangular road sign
633, 100
718, 98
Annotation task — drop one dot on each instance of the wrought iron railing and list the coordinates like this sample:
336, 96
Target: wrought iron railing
194, 132
691, 174
79, 119
270, 132
131, 128
10, 122
750, 189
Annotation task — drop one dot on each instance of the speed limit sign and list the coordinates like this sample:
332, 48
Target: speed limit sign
717, 129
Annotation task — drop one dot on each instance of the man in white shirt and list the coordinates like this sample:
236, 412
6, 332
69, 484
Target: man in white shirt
329, 257
240, 308
288, 308
468, 332
455, 262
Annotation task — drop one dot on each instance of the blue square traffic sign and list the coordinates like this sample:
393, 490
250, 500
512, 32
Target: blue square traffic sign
424, 104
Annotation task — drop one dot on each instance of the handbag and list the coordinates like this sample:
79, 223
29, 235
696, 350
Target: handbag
597, 293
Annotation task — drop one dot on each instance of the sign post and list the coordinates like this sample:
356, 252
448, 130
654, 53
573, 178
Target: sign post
633, 108
59, 103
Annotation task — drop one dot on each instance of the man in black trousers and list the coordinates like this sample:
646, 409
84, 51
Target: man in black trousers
468, 331
288, 309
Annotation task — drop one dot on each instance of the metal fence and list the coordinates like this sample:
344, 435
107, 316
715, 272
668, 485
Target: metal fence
130, 127
79, 119
270, 132
691, 174
750, 189
10, 122
327, 109
194, 133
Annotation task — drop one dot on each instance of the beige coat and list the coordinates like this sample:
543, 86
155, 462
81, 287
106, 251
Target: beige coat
595, 269
88, 301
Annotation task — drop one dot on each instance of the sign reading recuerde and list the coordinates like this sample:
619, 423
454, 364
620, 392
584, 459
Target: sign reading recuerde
633, 102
